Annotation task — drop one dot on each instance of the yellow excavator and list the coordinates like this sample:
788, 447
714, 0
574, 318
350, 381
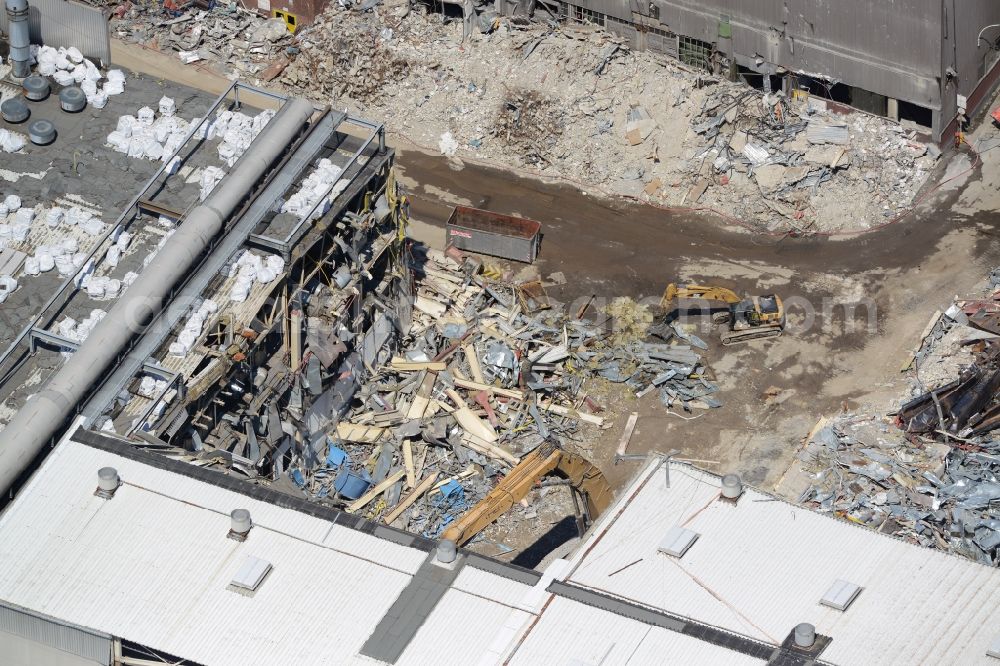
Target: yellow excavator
749, 318
580, 473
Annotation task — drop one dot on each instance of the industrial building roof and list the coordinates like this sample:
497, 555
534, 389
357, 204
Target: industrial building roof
153, 565
759, 566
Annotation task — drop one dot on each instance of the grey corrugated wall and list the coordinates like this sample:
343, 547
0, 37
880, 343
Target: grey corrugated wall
87, 644
67, 23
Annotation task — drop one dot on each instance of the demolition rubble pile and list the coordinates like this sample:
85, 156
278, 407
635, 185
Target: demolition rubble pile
241, 41
809, 166
937, 483
485, 375
569, 101
574, 102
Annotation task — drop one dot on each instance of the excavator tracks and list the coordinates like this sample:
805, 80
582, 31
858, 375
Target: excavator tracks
738, 337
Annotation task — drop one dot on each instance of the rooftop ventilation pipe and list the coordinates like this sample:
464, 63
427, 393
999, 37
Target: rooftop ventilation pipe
239, 524
732, 487
43, 416
20, 42
107, 482
447, 551
805, 635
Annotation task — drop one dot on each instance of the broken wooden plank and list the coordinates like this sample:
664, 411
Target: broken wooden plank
423, 396
693, 195
411, 480
487, 449
428, 306
377, 490
402, 365
353, 432
470, 356
414, 495
495, 390
469, 471
470, 423
627, 434
566, 411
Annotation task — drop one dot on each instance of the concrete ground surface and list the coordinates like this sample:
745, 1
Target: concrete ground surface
856, 304
890, 281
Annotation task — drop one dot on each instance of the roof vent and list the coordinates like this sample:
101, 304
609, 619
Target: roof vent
994, 649
677, 541
36, 88
240, 525
107, 482
447, 551
805, 635
72, 99
840, 595
42, 132
732, 487
250, 575
14, 110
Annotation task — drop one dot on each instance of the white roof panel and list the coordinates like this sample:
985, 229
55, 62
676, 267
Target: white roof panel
677, 541
569, 631
762, 565
840, 595
250, 575
463, 625
154, 565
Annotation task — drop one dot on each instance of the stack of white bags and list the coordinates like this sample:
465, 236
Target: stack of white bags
314, 187
11, 142
16, 221
68, 67
236, 130
187, 338
78, 332
210, 177
8, 286
150, 387
250, 268
146, 136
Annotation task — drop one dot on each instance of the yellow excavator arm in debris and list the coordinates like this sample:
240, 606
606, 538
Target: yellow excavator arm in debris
699, 292
582, 475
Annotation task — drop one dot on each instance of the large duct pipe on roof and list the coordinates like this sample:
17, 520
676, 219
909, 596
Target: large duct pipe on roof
44, 414
20, 40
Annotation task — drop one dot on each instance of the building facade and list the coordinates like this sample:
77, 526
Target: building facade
917, 60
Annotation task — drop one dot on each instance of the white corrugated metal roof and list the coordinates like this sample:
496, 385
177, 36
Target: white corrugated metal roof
761, 566
571, 632
153, 565
462, 627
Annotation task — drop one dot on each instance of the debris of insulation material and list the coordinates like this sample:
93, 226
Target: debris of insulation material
932, 475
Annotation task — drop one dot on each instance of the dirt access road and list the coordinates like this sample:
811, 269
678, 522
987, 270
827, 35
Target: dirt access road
856, 304
773, 390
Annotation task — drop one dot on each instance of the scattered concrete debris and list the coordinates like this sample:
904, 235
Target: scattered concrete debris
933, 475
925, 491
573, 101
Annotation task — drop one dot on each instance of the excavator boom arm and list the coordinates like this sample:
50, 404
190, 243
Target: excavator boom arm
698, 292
582, 475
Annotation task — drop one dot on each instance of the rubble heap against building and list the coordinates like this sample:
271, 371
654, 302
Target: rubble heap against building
571, 101
937, 482
485, 375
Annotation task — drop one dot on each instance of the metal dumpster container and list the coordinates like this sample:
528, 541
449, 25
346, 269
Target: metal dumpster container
486, 232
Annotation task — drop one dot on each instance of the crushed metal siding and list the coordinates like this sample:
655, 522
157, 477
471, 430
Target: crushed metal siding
66, 23
84, 643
